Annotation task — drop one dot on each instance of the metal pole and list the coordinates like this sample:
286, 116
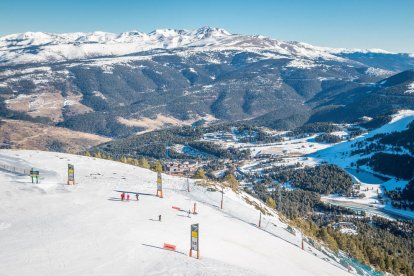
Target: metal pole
303, 245
260, 219
222, 195
280, 198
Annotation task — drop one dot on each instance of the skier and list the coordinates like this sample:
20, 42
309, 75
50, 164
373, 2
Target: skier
159, 217
122, 196
127, 197
137, 195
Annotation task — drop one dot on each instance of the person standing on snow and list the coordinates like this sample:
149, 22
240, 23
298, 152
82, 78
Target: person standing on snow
159, 217
127, 197
137, 195
122, 196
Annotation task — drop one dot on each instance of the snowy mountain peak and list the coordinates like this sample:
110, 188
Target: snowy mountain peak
167, 32
199, 33
27, 35
128, 37
35, 38
96, 37
206, 31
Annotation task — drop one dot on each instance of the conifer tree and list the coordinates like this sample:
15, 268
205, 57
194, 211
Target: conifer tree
200, 174
157, 167
270, 202
144, 163
231, 179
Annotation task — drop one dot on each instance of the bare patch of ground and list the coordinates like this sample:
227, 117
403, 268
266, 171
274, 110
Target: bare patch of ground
47, 104
26, 135
160, 122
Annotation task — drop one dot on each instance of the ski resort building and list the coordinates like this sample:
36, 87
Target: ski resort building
182, 168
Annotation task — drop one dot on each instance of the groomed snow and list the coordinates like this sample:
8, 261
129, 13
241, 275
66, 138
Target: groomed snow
54, 229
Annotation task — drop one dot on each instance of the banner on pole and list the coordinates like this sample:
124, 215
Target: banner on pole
194, 237
159, 185
159, 182
71, 174
34, 175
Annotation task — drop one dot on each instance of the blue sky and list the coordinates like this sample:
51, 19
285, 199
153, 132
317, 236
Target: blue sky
386, 24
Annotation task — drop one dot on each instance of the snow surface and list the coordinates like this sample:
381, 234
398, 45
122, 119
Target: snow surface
410, 88
55, 229
378, 72
303, 64
332, 154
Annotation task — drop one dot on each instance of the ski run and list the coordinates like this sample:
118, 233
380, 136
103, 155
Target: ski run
52, 228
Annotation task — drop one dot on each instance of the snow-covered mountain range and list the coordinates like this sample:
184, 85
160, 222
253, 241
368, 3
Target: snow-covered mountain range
111, 84
33, 47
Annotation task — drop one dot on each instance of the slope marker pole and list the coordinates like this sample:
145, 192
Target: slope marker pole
222, 195
303, 245
260, 219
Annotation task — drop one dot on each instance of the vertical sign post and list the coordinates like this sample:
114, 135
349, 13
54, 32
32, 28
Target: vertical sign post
71, 174
159, 185
34, 174
194, 240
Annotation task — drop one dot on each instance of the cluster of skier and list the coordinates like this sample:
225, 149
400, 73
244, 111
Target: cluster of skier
127, 197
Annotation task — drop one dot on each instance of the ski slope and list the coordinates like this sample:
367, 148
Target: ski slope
371, 183
333, 154
55, 229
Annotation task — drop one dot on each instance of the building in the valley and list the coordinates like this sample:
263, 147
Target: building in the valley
221, 136
265, 156
346, 228
182, 168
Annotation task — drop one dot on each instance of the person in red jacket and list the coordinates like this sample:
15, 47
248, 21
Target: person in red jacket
127, 197
122, 196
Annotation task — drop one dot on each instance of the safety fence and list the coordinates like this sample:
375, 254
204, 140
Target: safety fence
15, 169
